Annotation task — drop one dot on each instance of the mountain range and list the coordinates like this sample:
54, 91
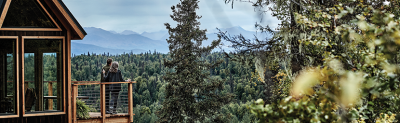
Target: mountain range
101, 41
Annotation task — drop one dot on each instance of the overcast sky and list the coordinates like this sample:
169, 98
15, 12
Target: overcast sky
150, 15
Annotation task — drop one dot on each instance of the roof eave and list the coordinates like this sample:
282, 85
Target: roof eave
80, 33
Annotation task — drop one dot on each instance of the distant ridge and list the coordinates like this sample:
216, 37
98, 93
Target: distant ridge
128, 32
110, 40
78, 49
99, 40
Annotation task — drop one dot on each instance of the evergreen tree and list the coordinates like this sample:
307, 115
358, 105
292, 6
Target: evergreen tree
190, 95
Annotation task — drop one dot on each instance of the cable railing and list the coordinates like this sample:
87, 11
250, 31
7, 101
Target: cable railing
95, 91
91, 95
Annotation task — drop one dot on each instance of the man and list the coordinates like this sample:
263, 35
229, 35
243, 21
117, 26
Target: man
106, 69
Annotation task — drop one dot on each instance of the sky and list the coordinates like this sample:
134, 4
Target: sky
150, 15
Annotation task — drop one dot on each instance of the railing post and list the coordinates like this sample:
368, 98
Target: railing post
103, 102
74, 95
130, 103
50, 101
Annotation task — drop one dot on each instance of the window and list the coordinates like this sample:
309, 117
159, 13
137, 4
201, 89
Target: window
8, 79
43, 75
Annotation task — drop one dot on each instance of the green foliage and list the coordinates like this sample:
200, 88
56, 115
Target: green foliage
340, 58
82, 110
355, 44
144, 114
312, 109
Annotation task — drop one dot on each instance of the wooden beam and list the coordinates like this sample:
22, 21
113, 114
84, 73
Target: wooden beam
103, 102
130, 102
62, 86
88, 84
5, 10
74, 95
43, 114
55, 97
38, 68
97, 83
43, 37
9, 116
68, 78
40, 82
50, 101
17, 74
77, 82
23, 86
30, 29
105, 83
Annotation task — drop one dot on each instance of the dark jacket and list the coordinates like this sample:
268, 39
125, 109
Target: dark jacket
106, 68
114, 77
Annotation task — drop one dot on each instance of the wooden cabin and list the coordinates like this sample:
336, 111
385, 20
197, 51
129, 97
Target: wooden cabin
35, 37
35, 65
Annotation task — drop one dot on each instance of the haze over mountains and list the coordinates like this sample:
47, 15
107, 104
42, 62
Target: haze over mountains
101, 41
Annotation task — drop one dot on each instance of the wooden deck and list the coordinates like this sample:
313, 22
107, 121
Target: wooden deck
95, 117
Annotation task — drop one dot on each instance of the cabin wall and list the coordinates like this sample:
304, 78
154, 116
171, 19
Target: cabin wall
38, 119
49, 118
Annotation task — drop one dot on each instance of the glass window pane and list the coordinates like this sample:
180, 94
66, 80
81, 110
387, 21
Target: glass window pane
43, 75
27, 14
50, 80
7, 77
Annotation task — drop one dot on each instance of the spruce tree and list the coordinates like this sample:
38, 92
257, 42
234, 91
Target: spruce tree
190, 94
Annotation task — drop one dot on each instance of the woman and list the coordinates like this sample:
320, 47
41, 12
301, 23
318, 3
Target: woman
114, 75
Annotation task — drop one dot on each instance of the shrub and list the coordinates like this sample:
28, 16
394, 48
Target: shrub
82, 110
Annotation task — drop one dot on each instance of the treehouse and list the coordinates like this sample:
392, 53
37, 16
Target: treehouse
35, 65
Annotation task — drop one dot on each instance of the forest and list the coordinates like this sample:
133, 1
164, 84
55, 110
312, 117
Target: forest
147, 70
328, 61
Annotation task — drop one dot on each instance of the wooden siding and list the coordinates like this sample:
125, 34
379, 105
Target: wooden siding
38, 119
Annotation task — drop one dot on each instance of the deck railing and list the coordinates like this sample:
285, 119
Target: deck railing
75, 96
102, 98
49, 97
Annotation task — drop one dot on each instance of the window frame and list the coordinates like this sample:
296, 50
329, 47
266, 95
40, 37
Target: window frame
44, 113
5, 11
16, 72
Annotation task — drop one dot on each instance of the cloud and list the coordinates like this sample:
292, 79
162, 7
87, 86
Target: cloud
150, 15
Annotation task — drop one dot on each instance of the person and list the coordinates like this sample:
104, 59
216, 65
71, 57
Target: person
106, 68
114, 75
